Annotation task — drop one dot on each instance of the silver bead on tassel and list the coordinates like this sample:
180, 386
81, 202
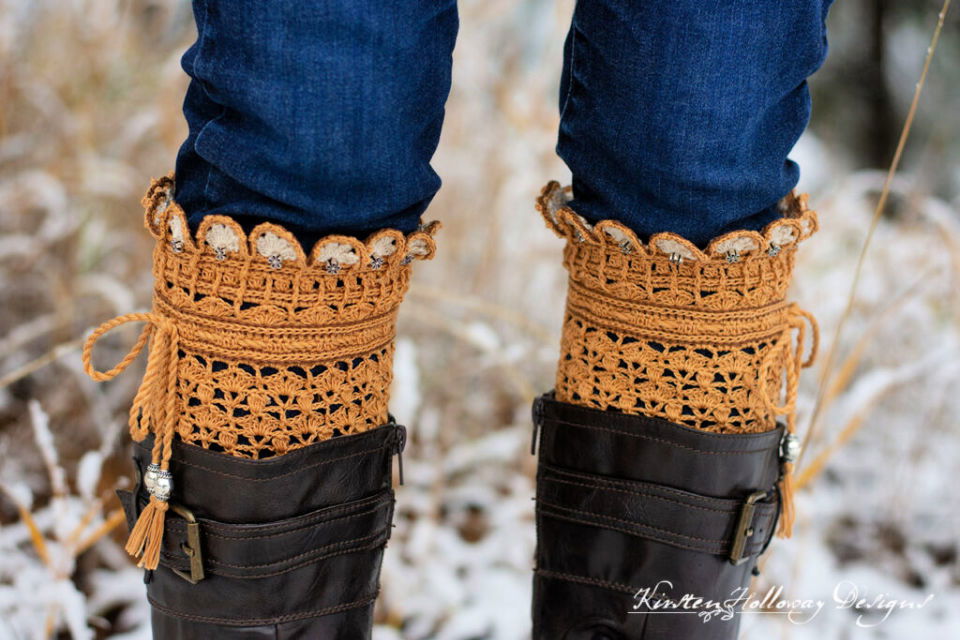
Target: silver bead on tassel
790, 448
159, 483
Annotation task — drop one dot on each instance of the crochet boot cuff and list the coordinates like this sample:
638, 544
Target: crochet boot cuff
256, 347
702, 338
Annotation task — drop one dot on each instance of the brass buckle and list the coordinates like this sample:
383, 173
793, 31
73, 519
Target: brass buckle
190, 548
744, 530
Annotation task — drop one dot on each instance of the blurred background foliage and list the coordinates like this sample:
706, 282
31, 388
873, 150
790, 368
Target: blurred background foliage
90, 92
863, 92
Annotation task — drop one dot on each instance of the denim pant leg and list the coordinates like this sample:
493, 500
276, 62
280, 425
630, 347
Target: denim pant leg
321, 115
678, 116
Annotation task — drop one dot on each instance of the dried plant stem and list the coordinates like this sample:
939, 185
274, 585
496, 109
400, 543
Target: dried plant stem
36, 536
37, 364
848, 367
928, 365
112, 522
877, 213
487, 308
50, 624
85, 520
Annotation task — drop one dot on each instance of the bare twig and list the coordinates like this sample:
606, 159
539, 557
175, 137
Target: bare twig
35, 365
112, 522
36, 536
877, 214
911, 371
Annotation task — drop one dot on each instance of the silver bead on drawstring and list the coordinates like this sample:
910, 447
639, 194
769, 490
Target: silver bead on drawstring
220, 253
733, 256
275, 261
376, 262
333, 267
773, 250
158, 482
790, 448
676, 258
177, 246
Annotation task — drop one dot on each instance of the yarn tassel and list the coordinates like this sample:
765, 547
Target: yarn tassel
154, 409
147, 535
788, 511
790, 361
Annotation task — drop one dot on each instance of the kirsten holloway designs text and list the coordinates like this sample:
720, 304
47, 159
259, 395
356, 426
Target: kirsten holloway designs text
872, 609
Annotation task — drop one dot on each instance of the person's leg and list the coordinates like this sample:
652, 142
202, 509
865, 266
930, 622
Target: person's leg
269, 337
679, 116
321, 116
661, 456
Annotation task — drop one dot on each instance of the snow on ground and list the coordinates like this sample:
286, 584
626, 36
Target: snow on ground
478, 339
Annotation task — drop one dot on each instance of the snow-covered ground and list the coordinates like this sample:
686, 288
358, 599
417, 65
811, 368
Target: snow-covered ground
478, 339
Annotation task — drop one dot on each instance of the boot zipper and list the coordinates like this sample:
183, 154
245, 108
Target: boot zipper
400, 446
537, 423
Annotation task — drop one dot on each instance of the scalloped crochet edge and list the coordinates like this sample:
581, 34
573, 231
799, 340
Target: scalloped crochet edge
223, 238
797, 224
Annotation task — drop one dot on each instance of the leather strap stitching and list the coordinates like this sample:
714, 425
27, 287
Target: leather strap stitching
264, 621
709, 545
735, 505
641, 436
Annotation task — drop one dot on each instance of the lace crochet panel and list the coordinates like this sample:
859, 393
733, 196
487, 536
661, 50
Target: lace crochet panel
702, 338
276, 349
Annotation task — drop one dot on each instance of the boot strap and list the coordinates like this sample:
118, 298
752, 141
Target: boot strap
259, 542
194, 548
652, 479
735, 528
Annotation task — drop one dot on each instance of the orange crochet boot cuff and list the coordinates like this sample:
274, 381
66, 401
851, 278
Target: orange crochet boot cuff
256, 347
702, 338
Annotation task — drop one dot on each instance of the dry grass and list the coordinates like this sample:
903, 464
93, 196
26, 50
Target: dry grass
90, 93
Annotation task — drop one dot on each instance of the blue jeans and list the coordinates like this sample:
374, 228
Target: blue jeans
323, 116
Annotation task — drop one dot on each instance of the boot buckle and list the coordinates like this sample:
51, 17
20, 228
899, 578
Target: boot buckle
744, 530
190, 548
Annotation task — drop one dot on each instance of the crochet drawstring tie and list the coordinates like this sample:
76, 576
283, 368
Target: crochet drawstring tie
791, 363
154, 409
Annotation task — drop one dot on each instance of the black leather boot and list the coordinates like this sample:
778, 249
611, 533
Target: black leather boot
660, 477
634, 512
280, 548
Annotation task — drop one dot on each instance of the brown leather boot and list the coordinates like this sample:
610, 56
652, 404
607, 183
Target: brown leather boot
286, 547
663, 470
264, 438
